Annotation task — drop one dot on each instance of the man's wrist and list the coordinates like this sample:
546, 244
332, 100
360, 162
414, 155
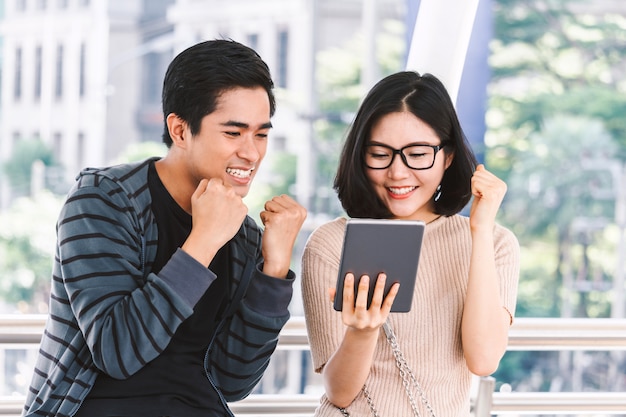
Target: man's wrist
276, 271
200, 253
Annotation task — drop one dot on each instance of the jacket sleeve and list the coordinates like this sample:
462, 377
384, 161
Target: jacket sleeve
242, 349
126, 317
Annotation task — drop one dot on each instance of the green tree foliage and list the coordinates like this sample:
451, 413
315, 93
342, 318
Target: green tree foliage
548, 202
555, 110
26, 251
554, 103
554, 57
19, 167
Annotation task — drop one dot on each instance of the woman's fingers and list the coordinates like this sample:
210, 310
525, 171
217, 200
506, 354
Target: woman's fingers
363, 291
356, 313
389, 299
348, 294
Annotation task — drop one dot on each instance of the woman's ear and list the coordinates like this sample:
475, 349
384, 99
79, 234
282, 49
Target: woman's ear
449, 159
177, 129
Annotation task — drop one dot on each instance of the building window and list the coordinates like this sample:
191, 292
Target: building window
152, 75
252, 39
41, 4
84, 3
80, 149
63, 4
17, 87
81, 79
16, 137
57, 146
282, 59
20, 5
280, 143
38, 74
58, 84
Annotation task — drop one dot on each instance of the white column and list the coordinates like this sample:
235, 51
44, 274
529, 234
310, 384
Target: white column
440, 40
305, 175
369, 22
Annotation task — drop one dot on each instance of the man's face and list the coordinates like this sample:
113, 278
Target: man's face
232, 140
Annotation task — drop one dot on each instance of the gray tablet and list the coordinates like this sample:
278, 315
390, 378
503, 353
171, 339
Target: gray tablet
371, 246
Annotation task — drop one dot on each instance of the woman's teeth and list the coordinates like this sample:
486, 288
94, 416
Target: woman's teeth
401, 190
240, 173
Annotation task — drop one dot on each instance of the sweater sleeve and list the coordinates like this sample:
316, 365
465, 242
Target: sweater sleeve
126, 319
320, 266
508, 265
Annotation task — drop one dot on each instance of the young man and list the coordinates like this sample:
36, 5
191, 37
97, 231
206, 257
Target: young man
167, 299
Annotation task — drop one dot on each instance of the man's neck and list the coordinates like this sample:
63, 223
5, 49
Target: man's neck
173, 176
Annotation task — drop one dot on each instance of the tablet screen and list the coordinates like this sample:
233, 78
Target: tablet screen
372, 246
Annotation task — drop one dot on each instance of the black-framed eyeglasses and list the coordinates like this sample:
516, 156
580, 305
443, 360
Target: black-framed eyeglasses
414, 156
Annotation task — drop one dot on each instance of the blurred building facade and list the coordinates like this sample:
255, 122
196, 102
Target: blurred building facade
72, 77
85, 76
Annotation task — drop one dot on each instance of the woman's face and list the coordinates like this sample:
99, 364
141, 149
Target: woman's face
407, 193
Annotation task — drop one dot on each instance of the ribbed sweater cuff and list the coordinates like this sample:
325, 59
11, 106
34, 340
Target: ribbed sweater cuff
268, 295
188, 277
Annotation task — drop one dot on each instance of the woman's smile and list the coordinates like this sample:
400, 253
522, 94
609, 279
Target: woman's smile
401, 193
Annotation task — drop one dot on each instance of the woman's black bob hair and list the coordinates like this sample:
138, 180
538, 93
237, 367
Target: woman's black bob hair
425, 97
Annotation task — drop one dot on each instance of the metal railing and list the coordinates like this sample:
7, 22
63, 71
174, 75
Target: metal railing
527, 334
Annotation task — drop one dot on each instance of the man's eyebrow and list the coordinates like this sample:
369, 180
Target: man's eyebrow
242, 125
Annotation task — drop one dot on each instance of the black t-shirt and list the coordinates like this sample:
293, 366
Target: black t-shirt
175, 383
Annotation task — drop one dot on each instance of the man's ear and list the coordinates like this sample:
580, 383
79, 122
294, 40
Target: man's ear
177, 129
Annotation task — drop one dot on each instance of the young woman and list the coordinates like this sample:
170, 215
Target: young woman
406, 157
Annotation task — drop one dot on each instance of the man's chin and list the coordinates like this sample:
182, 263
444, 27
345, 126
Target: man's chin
241, 190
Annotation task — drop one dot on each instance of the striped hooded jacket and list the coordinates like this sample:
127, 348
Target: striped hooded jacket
109, 313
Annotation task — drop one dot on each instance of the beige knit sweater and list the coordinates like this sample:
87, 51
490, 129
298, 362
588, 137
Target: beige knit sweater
429, 335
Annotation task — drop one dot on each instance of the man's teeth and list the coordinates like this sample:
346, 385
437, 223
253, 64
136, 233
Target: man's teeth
240, 173
401, 190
